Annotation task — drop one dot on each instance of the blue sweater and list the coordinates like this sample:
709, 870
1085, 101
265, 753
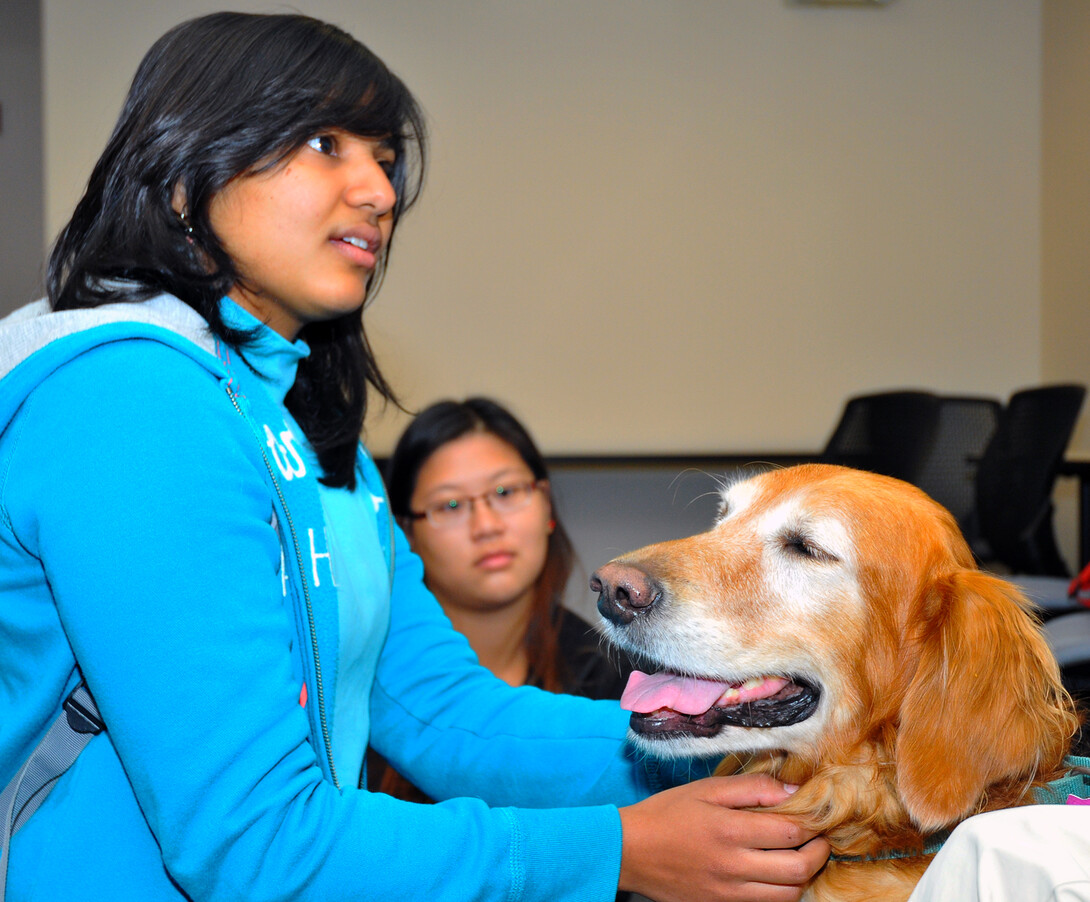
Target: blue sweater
154, 527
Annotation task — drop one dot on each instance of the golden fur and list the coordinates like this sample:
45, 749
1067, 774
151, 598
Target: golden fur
939, 696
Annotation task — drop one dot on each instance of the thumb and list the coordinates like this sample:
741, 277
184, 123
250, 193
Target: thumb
748, 791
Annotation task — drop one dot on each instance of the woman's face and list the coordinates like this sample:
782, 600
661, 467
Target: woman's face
305, 235
490, 559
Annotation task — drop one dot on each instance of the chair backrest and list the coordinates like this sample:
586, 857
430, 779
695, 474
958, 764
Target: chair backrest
1017, 474
948, 472
887, 432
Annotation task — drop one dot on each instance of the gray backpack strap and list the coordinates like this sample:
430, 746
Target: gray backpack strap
77, 724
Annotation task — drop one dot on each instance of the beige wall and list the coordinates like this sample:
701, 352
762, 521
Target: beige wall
679, 225
1065, 198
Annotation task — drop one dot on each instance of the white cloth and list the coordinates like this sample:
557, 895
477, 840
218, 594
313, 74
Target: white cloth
1040, 853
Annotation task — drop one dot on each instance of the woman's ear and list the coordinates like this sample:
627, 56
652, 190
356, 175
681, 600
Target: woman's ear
178, 200
543, 484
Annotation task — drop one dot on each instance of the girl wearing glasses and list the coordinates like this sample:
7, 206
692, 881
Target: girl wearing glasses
189, 525
471, 490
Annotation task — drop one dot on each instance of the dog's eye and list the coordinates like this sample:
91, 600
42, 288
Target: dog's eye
798, 544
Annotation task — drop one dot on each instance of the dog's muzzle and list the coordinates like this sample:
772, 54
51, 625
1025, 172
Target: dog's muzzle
626, 594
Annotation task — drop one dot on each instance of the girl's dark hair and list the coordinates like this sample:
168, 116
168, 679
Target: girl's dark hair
445, 421
217, 97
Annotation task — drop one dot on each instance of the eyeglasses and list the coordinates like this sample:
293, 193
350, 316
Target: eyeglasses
502, 499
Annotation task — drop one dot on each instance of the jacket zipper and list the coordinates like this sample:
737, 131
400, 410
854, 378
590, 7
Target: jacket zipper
306, 594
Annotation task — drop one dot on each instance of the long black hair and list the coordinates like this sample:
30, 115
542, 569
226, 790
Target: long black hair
446, 421
217, 97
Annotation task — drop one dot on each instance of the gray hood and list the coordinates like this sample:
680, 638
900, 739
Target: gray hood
33, 326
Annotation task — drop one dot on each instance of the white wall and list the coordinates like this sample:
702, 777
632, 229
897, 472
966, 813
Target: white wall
675, 225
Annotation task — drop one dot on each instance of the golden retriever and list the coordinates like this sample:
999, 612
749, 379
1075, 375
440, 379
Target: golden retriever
832, 630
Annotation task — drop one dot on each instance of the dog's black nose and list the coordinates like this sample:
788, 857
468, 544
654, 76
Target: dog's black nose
624, 592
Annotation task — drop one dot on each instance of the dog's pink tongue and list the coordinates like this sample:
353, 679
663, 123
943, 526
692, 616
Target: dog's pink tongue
687, 695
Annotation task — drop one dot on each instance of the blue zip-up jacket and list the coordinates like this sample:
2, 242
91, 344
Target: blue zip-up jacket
144, 520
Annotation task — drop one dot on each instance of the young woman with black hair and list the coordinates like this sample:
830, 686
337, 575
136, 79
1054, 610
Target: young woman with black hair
189, 525
502, 550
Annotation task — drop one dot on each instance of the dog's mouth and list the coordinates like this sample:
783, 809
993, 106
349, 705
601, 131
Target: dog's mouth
665, 704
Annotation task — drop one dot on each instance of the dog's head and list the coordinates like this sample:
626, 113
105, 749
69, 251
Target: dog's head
838, 616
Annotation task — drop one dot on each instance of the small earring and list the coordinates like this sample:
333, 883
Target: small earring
552, 525
187, 226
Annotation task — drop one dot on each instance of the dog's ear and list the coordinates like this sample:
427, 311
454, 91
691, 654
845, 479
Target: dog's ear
985, 705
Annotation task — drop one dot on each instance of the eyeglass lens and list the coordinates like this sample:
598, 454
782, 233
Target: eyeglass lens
502, 499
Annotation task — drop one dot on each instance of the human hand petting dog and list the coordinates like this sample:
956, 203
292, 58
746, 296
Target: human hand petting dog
699, 841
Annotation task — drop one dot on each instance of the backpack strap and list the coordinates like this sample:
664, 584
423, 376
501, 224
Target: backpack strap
77, 724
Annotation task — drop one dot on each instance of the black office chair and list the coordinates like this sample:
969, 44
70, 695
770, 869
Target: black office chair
966, 425
1016, 477
887, 432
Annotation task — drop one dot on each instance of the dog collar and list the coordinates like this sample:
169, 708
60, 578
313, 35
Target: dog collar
1072, 789
934, 843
